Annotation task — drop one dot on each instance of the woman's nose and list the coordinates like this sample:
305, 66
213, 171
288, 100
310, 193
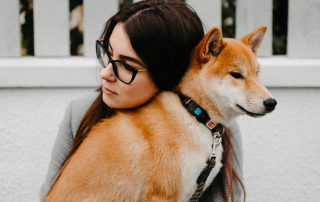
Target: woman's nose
108, 73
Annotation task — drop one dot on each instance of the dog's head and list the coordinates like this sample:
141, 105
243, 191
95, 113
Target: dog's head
226, 71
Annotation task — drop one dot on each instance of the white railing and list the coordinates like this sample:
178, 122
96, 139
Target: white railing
52, 65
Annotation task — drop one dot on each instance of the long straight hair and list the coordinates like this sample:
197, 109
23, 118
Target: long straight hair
163, 33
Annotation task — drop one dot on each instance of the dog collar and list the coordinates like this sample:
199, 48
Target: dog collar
199, 113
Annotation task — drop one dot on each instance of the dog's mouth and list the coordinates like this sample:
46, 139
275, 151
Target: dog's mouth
250, 113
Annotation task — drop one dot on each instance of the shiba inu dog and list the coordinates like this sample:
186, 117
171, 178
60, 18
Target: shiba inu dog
156, 152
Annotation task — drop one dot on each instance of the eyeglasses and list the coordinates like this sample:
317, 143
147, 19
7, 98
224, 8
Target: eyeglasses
123, 71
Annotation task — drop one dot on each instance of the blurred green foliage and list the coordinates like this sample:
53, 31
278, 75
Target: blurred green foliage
124, 3
280, 27
228, 18
280, 18
26, 10
76, 36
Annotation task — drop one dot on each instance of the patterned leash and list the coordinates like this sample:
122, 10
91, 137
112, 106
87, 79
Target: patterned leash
217, 131
217, 136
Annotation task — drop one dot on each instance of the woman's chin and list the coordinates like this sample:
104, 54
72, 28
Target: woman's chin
106, 99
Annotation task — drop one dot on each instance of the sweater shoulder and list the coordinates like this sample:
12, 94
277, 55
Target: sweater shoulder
79, 107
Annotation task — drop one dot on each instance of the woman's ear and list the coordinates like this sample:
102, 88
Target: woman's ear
254, 39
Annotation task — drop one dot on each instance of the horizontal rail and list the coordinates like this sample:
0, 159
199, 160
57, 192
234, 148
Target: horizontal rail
277, 71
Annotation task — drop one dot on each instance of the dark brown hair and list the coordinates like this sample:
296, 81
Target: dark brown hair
163, 33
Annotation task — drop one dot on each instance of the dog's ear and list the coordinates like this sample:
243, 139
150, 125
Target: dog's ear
254, 39
212, 43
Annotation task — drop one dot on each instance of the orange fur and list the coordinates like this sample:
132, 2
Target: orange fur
156, 152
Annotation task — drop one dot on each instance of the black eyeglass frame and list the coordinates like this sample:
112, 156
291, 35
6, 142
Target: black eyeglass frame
114, 67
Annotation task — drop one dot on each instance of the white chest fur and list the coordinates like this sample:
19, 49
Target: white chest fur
194, 160
196, 151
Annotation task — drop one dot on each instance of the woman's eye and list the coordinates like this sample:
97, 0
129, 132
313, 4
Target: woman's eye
127, 68
236, 75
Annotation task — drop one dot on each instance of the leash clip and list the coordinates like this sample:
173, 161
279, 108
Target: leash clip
216, 142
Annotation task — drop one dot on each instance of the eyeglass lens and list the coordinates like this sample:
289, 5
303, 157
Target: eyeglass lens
121, 70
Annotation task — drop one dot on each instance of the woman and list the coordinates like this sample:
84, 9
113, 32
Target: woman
144, 49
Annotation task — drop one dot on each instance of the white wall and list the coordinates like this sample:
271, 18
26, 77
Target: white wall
29, 121
281, 150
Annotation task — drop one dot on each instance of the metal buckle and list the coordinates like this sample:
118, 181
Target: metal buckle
216, 142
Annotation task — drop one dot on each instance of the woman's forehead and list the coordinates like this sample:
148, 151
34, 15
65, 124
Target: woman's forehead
119, 41
120, 46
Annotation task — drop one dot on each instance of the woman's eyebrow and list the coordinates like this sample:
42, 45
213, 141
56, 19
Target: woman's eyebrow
124, 57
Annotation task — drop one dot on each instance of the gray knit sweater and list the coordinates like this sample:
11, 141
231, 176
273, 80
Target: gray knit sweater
67, 130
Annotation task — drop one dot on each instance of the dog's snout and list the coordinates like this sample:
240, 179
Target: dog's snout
270, 104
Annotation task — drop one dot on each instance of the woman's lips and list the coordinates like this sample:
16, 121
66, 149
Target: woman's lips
107, 91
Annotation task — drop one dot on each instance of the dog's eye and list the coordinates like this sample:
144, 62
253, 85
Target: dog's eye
236, 75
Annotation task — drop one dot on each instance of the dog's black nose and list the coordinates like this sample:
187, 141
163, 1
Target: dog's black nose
270, 104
